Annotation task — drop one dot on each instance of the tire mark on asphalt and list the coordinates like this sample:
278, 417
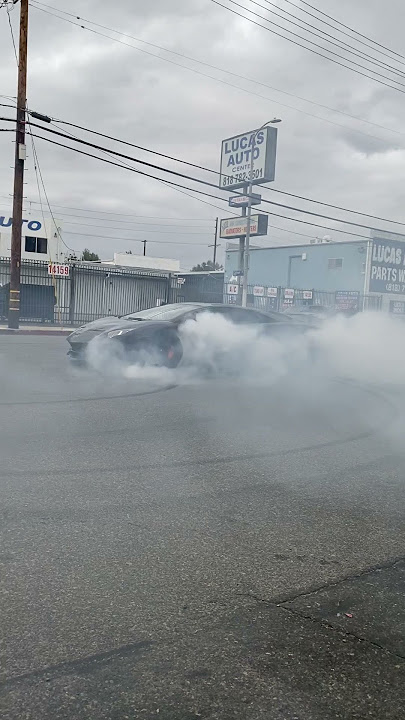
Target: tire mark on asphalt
80, 665
26, 403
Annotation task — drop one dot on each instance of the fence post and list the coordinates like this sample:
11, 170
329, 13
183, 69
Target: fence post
168, 289
72, 295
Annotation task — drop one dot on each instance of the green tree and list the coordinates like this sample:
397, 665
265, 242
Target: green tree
90, 256
208, 266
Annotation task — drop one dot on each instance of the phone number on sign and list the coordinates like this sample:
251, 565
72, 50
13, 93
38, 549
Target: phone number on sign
229, 180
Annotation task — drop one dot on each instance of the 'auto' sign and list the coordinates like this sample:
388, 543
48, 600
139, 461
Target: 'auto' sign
236, 158
33, 225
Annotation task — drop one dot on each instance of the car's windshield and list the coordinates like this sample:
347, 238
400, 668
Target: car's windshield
165, 312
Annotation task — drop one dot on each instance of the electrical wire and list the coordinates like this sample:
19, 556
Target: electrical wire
316, 32
315, 52
164, 232
38, 170
132, 223
104, 212
343, 25
204, 182
283, 192
12, 34
115, 237
201, 192
229, 72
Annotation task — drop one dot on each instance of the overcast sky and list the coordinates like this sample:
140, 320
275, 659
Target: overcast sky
83, 78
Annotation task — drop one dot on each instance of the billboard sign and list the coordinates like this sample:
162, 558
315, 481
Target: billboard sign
236, 157
347, 300
237, 226
243, 200
387, 266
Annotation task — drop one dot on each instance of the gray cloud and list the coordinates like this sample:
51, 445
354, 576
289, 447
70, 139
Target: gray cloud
92, 81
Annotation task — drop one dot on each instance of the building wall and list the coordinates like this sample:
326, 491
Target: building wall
269, 266
33, 228
145, 262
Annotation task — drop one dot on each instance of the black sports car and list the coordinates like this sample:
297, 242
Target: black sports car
153, 335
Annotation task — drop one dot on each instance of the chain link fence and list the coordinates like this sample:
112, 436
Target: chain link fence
284, 299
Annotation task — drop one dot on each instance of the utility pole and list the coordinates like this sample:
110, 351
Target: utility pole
15, 264
144, 247
215, 245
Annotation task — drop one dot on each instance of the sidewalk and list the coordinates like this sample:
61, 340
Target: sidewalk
36, 330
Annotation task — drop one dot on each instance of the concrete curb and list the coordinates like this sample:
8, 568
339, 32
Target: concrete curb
35, 331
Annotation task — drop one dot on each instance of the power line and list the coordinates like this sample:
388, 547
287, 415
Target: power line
208, 184
103, 212
343, 25
318, 32
165, 232
283, 192
229, 72
201, 192
114, 237
131, 222
38, 170
315, 52
12, 34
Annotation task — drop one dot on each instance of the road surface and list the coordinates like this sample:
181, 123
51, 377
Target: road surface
209, 549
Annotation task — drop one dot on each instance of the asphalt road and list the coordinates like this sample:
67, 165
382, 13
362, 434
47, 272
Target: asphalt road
213, 549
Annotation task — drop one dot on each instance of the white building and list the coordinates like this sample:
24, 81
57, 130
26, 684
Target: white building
144, 262
40, 239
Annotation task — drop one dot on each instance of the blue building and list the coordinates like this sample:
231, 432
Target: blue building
326, 267
325, 272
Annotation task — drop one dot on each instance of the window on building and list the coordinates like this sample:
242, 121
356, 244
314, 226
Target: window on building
30, 244
335, 263
36, 244
42, 245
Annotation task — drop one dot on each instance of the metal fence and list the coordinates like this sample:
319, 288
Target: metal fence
86, 293
90, 291
284, 299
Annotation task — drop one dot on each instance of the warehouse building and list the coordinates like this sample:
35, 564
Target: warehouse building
372, 267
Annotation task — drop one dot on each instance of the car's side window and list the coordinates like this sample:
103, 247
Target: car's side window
240, 315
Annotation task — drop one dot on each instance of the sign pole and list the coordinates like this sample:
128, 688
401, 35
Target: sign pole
15, 262
241, 258
247, 237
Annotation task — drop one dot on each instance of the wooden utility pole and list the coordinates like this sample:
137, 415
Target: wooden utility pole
20, 151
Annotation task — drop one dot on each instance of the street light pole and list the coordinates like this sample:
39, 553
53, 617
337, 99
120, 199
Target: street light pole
249, 212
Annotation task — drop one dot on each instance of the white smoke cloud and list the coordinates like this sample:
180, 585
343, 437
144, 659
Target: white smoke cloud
368, 347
